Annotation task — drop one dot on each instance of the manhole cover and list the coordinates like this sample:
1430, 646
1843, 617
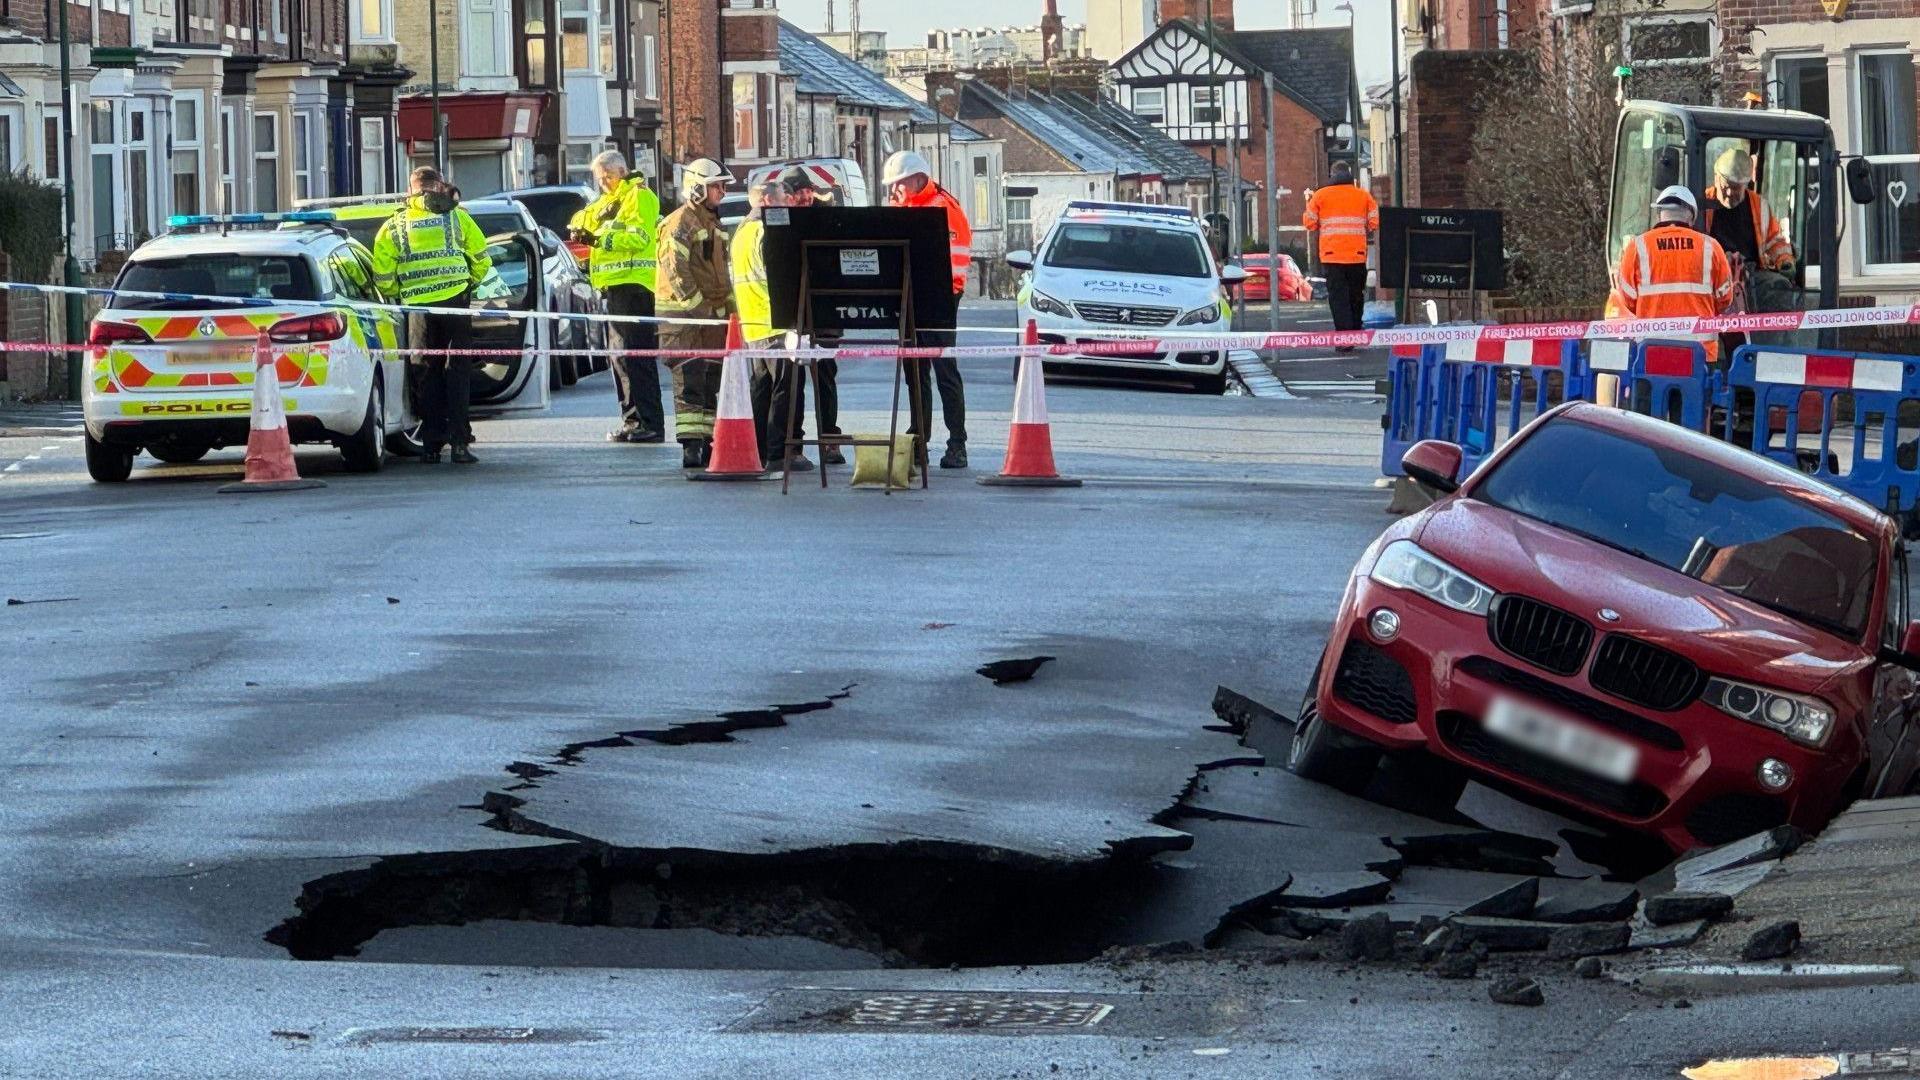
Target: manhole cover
948, 1010
469, 1035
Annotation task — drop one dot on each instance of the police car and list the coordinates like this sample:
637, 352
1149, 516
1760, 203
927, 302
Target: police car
1106, 267
171, 365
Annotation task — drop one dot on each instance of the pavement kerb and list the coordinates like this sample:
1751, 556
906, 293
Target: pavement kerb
1700, 979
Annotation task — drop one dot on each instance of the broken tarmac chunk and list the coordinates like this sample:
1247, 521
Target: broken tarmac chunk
1729, 868
1507, 935
1678, 907
1457, 965
1588, 939
1003, 672
1585, 900
1590, 967
1648, 936
1370, 938
1773, 942
1518, 990
1513, 902
1476, 849
1335, 889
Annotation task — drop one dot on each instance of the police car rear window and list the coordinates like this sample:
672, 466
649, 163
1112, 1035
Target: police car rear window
1127, 249
237, 278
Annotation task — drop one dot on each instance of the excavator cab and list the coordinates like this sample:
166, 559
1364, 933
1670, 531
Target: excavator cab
1795, 170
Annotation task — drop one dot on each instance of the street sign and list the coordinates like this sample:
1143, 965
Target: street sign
1441, 250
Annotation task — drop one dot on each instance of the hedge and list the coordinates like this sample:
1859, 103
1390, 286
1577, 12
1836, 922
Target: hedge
30, 217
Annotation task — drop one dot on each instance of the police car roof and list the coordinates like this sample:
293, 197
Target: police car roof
250, 241
1177, 217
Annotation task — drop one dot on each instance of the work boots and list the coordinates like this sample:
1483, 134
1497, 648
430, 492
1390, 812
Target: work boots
463, 455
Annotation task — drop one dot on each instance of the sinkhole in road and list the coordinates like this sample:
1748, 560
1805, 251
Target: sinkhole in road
905, 904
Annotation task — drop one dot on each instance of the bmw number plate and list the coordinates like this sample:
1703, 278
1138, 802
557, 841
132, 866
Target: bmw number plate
1569, 743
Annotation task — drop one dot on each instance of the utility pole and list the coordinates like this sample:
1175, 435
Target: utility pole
1273, 212
1399, 164
1213, 133
70, 268
433, 78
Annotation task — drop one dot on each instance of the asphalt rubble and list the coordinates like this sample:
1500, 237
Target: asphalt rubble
1274, 869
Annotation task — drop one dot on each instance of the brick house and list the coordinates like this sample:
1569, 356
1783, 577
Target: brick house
1203, 85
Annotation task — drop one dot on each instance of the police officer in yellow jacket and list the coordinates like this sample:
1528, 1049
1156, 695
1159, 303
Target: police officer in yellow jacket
430, 253
694, 284
621, 226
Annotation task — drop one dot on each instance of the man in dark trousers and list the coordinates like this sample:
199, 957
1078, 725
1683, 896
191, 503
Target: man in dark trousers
909, 182
1345, 217
431, 253
621, 225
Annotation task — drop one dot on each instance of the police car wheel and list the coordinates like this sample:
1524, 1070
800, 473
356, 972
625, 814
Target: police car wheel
108, 464
366, 449
1213, 385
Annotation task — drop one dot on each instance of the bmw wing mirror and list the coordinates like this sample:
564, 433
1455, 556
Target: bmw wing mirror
1433, 464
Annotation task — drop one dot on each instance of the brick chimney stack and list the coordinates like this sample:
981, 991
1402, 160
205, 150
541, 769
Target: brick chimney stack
1196, 11
1050, 29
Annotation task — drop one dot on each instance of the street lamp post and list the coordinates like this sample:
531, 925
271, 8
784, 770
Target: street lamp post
70, 269
1393, 49
433, 86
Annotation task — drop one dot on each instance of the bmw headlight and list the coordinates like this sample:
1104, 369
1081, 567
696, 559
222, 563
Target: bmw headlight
1805, 720
1201, 315
1048, 305
1406, 565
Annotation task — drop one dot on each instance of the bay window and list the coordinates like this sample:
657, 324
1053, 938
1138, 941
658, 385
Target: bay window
189, 155
266, 158
1890, 226
1800, 83
486, 37
106, 144
576, 36
372, 21
302, 138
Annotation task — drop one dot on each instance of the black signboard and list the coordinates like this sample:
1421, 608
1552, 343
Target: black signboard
1441, 250
857, 263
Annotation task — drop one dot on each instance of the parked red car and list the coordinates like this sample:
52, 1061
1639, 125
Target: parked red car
1632, 623
1260, 271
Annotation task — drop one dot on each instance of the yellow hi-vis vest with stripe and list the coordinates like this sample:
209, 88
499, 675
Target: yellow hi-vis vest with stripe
422, 257
624, 224
750, 280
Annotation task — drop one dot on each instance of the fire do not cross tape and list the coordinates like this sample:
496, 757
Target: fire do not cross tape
1509, 344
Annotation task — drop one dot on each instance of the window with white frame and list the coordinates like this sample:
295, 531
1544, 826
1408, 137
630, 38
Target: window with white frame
140, 139
372, 21
604, 32
982, 192
11, 121
1669, 41
228, 189
1800, 82
486, 31
373, 155
189, 155
52, 132
302, 138
266, 163
746, 116
1150, 103
650, 60
1890, 225
1205, 103
1019, 223
105, 132
577, 36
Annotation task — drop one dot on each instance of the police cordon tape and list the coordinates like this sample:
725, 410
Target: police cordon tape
1123, 341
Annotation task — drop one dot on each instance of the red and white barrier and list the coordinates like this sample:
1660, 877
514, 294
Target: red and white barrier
1833, 372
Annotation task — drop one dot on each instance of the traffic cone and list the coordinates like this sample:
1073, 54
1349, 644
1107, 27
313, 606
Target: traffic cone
736, 446
269, 452
1030, 439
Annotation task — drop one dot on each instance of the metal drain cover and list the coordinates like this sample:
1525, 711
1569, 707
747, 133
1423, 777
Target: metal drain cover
960, 1011
492, 1035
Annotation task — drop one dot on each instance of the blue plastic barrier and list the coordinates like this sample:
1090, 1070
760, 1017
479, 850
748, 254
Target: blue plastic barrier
1475, 394
1833, 415
1671, 381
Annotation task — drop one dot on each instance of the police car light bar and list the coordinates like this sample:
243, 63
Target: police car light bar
227, 221
1132, 208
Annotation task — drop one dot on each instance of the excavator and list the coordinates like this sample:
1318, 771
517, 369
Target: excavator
1796, 170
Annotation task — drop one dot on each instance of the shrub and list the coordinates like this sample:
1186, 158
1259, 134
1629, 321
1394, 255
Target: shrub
30, 225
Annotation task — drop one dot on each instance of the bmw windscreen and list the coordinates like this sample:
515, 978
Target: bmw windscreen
1687, 514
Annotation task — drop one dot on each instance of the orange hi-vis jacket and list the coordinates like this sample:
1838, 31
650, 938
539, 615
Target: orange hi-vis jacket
1673, 271
1343, 215
1769, 232
959, 232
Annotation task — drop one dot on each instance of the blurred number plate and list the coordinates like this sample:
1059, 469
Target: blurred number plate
211, 354
1572, 744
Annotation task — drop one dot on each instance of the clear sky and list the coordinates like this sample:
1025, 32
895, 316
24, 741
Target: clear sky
907, 21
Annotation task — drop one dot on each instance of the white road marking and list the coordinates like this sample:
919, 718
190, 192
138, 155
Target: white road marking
31, 457
15, 467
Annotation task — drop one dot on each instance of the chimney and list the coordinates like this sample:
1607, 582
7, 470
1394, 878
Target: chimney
1050, 32
1196, 11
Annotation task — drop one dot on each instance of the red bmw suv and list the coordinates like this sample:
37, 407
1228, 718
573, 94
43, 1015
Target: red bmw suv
1634, 623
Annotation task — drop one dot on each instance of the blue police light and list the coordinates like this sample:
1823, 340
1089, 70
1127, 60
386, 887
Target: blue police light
311, 215
188, 221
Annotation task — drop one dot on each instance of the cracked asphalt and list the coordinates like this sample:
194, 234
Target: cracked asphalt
233, 706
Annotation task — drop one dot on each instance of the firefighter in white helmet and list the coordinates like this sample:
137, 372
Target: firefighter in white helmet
693, 283
909, 182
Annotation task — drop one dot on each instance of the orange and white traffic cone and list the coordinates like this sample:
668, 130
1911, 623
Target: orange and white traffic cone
1030, 439
736, 445
269, 451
